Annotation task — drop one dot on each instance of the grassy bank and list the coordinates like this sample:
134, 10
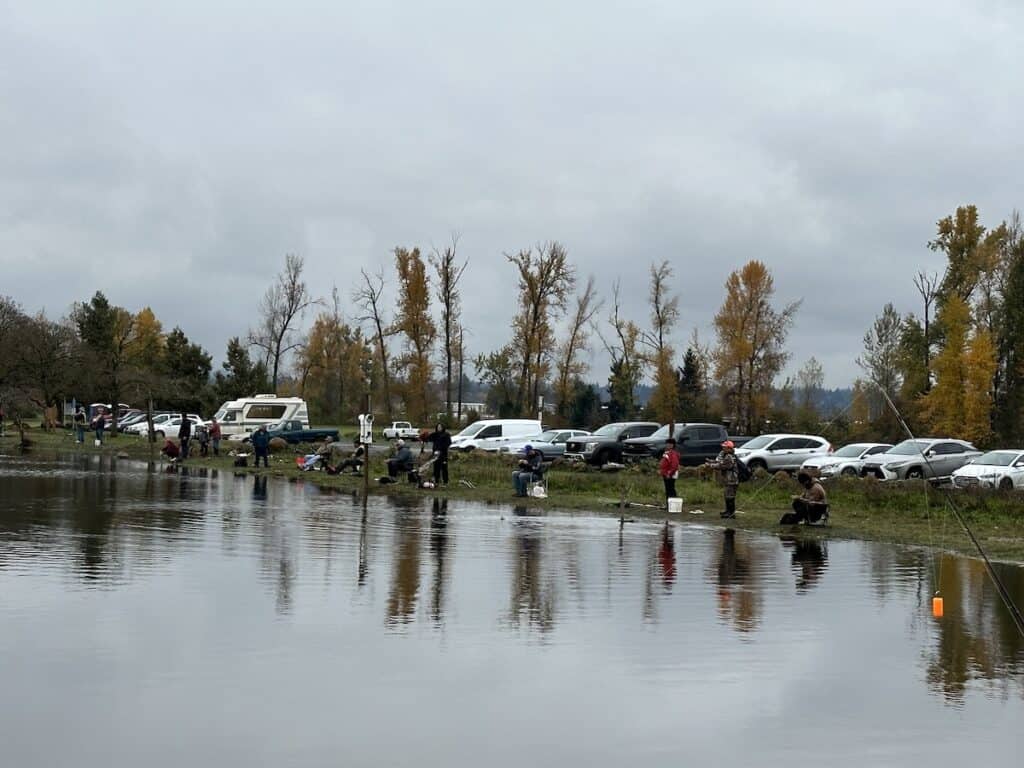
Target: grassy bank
906, 513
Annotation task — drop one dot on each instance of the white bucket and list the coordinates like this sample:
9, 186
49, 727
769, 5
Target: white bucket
98, 443
675, 506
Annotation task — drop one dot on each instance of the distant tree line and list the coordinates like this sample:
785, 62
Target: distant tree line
397, 342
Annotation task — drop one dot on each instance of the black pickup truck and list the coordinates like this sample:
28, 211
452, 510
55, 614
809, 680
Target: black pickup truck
695, 443
605, 445
294, 432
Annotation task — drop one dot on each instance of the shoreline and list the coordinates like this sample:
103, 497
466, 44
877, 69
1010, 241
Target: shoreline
906, 514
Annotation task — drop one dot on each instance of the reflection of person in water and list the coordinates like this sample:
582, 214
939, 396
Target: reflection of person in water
531, 597
737, 593
810, 556
259, 487
667, 557
439, 550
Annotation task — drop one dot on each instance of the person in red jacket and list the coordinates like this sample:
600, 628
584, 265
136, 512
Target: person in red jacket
668, 468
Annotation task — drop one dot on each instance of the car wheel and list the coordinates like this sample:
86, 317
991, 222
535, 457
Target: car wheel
1006, 484
755, 464
159, 434
914, 473
848, 472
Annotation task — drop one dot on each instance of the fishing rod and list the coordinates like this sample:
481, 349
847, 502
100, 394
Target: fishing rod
1004, 593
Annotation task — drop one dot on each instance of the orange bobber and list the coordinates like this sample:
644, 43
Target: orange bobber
937, 607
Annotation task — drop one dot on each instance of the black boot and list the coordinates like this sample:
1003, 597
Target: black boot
730, 509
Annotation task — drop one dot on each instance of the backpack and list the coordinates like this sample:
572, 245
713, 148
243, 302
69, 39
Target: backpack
742, 471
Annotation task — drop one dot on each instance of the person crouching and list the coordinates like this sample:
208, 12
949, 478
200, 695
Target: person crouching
810, 506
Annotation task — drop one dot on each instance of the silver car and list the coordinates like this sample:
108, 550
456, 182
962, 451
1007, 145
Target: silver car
549, 444
781, 453
928, 457
847, 461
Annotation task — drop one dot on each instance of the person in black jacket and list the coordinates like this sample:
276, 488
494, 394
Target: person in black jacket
261, 445
530, 470
441, 440
184, 435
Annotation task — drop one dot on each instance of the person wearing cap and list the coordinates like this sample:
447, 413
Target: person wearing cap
668, 468
725, 463
402, 461
529, 469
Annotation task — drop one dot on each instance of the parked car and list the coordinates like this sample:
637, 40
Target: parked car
127, 421
293, 432
401, 429
550, 444
476, 433
605, 445
847, 461
170, 427
995, 469
929, 457
781, 453
695, 443
141, 427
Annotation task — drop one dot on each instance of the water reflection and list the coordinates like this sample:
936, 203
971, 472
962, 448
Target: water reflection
97, 522
739, 599
809, 559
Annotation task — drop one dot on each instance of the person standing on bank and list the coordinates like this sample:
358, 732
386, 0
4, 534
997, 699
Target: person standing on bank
99, 423
668, 468
261, 445
215, 436
80, 425
726, 466
184, 435
441, 441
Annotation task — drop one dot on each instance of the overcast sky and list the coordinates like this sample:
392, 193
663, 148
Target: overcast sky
171, 157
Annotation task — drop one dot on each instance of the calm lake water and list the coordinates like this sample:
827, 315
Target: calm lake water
207, 619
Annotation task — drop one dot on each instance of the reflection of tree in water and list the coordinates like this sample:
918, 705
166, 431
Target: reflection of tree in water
532, 597
439, 545
739, 598
405, 578
977, 637
809, 558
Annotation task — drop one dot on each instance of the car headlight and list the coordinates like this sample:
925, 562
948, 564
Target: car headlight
591, 446
893, 465
826, 467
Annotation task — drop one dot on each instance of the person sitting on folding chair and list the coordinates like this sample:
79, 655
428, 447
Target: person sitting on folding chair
809, 507
531, 469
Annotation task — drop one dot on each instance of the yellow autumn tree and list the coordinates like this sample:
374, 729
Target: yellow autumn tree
942, 408
981, 362
414, 323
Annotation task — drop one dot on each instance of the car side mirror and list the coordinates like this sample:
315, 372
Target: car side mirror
1019, 463
929, 453
682, 438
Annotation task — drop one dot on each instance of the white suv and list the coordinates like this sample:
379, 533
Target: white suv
781, 453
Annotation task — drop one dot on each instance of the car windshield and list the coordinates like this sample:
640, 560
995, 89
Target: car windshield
472, 429
909, 448
544, 437
997, 458
850, 451
608, 430
759, 442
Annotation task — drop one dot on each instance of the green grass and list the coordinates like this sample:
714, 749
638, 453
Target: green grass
906, 513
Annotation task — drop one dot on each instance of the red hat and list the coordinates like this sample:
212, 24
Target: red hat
728, 444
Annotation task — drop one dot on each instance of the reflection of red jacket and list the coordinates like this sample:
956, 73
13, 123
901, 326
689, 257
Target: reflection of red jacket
669, 464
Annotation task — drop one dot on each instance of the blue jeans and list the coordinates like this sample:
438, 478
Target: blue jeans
80, 434
521, 480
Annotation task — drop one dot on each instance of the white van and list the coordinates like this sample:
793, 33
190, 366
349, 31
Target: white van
488, 432
240, 417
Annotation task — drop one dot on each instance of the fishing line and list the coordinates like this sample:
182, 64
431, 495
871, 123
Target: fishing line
1001, 589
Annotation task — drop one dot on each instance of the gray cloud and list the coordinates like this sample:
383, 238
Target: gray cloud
172, 157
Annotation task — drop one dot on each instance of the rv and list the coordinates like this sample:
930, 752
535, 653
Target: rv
240, 417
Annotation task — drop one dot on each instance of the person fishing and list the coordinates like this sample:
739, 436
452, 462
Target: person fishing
530, 469
185, 435
668, 468
402, 461
261, 445
725, 463
810, 506
441, 441
354, 461
80, 425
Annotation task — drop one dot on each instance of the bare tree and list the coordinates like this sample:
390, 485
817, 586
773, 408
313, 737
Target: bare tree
369, 297
928, 286
627, 361
545, 280
664, 316
568, 365
282, 306
449, 273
